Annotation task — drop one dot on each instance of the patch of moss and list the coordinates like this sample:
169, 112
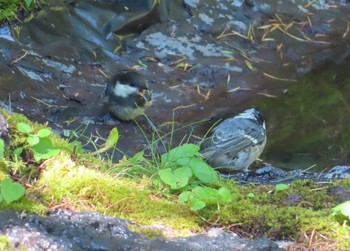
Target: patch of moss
149, 232
266, 214
79, 183
69, 185
346, 182
25, 204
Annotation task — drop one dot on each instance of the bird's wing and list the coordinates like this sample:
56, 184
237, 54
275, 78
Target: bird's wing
233, 136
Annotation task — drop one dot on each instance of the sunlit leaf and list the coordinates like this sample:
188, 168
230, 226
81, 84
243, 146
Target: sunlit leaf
42, 133
11, 191
184, 196
180, 154
175, 179
197, 204
203, 171
225, 195
33, 140
281, 187
113, 137
23, 127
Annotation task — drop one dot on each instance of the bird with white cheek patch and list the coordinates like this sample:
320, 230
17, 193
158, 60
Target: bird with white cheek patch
127, 95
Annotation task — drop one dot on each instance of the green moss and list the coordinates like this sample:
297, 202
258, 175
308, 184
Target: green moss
267, 215
25, 204
149, 232
79, 183
81, 188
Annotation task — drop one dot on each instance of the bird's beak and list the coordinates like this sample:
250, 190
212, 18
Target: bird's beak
145, 94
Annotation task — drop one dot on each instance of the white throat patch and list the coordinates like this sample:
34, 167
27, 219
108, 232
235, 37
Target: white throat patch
124, 90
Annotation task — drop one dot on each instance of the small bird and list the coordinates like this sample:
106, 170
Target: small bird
236, 142
127, 95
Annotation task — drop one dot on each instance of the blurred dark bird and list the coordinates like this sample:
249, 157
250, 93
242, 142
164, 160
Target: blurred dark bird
127, 95
236, 142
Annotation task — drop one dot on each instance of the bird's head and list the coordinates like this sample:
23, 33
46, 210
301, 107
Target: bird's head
130, 85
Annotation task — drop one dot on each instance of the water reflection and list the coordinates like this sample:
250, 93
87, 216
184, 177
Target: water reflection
310, 123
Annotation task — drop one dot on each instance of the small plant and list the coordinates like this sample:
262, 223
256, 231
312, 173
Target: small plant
10, 191
281, 187
28, 4
39, 143
342, 212
184, 170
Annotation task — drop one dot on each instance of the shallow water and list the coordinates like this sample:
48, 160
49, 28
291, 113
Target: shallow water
309, 124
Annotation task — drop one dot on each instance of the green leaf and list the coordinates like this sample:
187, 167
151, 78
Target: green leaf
281, 187
137, 157
2, 148
44, 149
175, 179
184, 196
197, 204
76, 146
205, 193
113, 137
24, 127
28, 3
33, 140
11, 191
225, 195
250, 195
42, 133
343, 208
180, 154
202, 171
18, 151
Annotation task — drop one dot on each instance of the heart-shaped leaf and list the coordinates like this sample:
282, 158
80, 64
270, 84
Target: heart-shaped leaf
33, 140
11, 191
23, 127
175, 179
42, 133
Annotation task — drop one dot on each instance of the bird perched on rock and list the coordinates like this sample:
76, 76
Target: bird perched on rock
236, 142
127, 95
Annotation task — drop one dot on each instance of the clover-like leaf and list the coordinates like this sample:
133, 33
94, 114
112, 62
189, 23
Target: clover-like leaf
203, 171
42, 133
281, 187
175, 179
225, 195
184, 196
11, 191
24, 127
205, 193
180, 154
44, 149
197, 204
33, 140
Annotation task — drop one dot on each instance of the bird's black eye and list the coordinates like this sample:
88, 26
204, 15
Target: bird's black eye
132, 84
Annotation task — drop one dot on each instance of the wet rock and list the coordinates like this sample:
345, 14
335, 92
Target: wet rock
66, 231
4, 130
338, 172
269, 174
340, 193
